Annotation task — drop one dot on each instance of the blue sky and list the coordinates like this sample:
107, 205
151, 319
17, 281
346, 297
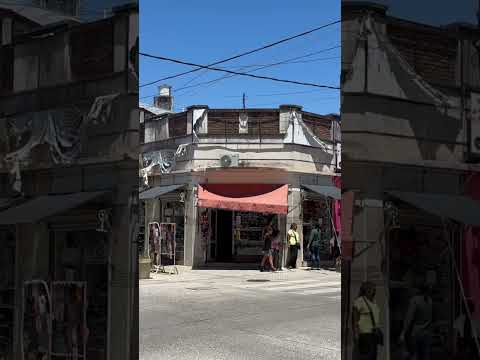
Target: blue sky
207, 31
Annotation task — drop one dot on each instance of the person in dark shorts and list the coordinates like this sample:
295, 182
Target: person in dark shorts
267, 249
276, 249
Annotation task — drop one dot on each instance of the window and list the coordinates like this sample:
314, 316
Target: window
91, 50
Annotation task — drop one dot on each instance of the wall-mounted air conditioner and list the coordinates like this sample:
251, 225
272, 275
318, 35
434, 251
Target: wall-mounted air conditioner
229, 161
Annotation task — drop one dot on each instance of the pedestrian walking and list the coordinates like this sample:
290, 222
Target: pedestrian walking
314, 246
365, 323
276, 248
267, 249
293, 239
418, 323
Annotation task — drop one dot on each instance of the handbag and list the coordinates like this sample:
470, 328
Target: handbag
376, 331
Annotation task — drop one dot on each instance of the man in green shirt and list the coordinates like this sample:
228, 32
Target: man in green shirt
314, 246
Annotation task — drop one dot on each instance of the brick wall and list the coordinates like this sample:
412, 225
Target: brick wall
432, 52
320, 125
264, 123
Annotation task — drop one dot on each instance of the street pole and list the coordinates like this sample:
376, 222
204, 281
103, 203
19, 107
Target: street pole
244, 97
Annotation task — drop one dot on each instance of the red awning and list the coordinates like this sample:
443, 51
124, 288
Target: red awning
271, 199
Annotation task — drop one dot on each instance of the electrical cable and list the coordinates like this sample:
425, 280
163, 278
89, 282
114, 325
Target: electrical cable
240, 73
246, 53
261, 67
287, 61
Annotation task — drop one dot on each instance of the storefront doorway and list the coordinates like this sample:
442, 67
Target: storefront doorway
174, 212
81, 259
318, 210
236, 236
224, 235
418, 253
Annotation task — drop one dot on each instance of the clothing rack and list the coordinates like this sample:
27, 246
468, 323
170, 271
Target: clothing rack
40, 283
49, 291
159, 267
76, 284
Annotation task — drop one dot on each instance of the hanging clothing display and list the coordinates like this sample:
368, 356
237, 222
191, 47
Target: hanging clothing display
36, 340
168, 236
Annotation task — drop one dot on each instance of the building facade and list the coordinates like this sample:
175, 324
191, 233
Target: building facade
220, 174
409, 127
68, 185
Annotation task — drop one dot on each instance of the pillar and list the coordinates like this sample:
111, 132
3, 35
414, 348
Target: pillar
368, 228
295, 216
122, 276
191, 214
32, 263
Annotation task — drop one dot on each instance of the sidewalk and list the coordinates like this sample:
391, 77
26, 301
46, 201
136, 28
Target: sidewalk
187, 274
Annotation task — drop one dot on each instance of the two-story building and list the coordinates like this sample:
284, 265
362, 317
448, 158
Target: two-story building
410, 153
68, 184
221, 174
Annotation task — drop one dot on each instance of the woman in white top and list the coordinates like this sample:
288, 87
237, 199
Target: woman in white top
365, 323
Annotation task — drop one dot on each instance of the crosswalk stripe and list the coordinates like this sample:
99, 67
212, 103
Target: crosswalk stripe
286, 284
320, 291
303, 286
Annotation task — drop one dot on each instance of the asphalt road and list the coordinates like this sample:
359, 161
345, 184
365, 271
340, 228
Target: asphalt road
240, 315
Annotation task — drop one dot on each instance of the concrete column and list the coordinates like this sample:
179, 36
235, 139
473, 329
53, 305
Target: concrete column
282, 226
190, 251
367, 229
122, 277
295, 216
31, 263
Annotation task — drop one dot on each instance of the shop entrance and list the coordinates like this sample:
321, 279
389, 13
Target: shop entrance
418, 253
236, 237
224, 236
81, 257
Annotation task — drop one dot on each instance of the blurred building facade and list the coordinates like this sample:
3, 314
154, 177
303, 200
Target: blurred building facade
69, 188
410, 149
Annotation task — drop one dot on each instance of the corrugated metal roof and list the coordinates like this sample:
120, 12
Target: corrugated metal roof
156, 192
328, 191
459, 208
45, 206
153, 109
37, 15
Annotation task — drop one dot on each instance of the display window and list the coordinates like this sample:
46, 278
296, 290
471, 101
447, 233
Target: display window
80, 280
318, 211
419, 254
174, 213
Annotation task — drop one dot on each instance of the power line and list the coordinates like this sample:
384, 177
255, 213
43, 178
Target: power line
260, 67
240, 73
246, 53
282, 94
